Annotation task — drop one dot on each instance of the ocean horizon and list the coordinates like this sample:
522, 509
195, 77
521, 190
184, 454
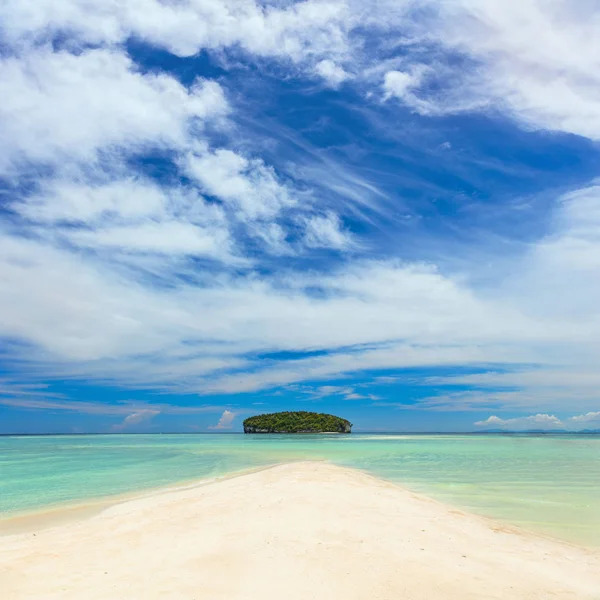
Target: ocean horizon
543, 482
362, 432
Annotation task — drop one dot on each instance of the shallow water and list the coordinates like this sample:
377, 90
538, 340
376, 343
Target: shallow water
546, 483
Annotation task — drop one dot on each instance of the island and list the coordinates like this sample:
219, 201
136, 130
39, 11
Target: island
297, 422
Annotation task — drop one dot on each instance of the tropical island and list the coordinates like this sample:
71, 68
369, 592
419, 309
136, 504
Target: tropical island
297, 422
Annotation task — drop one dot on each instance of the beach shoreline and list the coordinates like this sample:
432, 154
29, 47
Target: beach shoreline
299, 530
76, 510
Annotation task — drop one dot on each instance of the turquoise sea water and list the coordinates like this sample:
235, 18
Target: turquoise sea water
550, 484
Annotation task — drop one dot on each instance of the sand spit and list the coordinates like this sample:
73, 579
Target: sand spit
299, 531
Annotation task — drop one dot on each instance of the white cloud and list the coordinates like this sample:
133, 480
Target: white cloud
136, 418
325, 391
325, 231
539, 421
85, 317
401, 84
78, 309
64, 304
273, 236
12, 390
249, 186
132, 410
345, 391
163, 238
343, 363
590, 417
332, 73
132, 215
226, 420
61, 107
294, 31
554, 386
85, 292
73, 202
543, 421
533, 59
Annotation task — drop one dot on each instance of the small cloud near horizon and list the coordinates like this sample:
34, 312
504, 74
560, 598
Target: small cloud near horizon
540, 421
136, 418
226, 420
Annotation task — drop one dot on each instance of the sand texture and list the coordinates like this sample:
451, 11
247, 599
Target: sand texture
302, 531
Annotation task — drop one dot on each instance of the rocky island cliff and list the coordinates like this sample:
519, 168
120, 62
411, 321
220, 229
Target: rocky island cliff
297, 422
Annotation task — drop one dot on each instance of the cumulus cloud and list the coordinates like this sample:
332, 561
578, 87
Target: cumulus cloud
226, 420
250, 186
531, 59
539, 421
400, 84
332, 73
294, 31
139, 417
542, 421
534, 60
60, 106
590, 417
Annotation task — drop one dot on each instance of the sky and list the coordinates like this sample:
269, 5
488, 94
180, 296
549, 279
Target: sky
216, 208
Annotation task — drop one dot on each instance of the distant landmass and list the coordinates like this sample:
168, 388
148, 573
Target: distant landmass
297, 422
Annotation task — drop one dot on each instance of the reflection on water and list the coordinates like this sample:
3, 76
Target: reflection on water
547, 483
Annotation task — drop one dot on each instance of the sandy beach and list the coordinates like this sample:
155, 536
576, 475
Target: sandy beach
306, 530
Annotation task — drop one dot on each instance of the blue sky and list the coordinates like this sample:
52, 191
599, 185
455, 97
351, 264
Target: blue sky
213, 208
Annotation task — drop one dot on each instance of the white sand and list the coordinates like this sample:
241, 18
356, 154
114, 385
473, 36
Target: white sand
300, 531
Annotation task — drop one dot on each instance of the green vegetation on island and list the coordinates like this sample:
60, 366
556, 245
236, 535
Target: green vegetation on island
296, 422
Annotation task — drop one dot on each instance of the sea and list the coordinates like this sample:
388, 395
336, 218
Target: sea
546, 483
